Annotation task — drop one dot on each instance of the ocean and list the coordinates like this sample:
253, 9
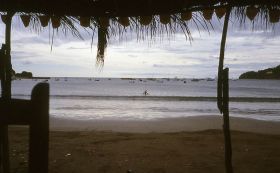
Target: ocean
123, 99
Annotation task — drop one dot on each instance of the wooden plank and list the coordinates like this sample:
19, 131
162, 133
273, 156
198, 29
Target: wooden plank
226, 126
39, 129
15, 112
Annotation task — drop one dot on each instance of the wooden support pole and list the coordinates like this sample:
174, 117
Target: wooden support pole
226, 125
39, 129
6, 95
221, 60
2, 129
223, 96
8, 82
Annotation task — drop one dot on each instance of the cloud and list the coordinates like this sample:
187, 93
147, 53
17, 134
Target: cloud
247, 48
78, 48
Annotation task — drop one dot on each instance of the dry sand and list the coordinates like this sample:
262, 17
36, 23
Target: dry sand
180, 145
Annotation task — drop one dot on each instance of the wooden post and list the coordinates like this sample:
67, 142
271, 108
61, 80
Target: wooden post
221, 60
6, 95
226, 126
39, 129
2, 129
223, 96
2, 69
8, 72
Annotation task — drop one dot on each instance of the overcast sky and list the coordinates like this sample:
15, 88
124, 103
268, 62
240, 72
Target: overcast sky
246, 50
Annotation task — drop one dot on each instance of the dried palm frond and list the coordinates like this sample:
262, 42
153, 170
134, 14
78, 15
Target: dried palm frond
274, 15
44, 20
186, 16
101, 46
4, 18
220, 12
85, 21
152, 26
252, 12
145, 20
25, 20
208, 13
55, 21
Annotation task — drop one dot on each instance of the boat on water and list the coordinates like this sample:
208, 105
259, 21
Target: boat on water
195, 80
210, 79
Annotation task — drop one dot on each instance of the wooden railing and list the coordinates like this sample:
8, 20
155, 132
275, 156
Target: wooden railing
35, 114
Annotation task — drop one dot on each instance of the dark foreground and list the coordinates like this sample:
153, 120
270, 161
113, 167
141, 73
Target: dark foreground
181, 152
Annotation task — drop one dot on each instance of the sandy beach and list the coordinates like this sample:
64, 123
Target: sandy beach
181, 145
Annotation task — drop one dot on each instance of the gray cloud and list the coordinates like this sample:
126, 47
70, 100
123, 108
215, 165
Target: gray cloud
247, 49
24, 55
78, 48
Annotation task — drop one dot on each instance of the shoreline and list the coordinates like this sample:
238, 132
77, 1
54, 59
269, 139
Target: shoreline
166, 125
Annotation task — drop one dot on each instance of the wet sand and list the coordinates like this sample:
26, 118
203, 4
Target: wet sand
180, 145
195, 123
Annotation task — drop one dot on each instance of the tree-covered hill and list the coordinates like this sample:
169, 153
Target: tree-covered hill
270, 73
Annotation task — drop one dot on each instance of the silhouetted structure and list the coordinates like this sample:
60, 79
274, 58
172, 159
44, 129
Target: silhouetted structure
112, 17
35, 114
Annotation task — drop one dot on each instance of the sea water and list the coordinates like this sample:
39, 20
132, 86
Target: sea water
123, 99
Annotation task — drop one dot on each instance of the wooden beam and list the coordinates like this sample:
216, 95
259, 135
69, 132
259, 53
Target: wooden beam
116, 8
102, 7
16, 112
6, 94
39, 129
7, 58
226, 126
223, 96
35, 113
221, 60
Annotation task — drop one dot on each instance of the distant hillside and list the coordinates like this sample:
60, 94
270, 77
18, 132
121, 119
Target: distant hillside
23, 74
270, 73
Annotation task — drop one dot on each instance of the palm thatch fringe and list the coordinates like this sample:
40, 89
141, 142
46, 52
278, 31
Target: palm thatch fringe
208, 13
44, 20
220, 12
25, 20
252, 12
85, 21
150, 27
274, 15
101, 46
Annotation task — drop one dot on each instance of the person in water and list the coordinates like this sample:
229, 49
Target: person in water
146, 92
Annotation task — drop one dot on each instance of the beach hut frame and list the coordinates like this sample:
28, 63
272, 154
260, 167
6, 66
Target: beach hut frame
222, 83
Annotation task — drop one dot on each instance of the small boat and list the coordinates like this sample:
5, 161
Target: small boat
195, 80
209, 79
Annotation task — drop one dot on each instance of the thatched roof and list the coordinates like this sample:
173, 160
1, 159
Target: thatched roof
115, 8
146, 17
